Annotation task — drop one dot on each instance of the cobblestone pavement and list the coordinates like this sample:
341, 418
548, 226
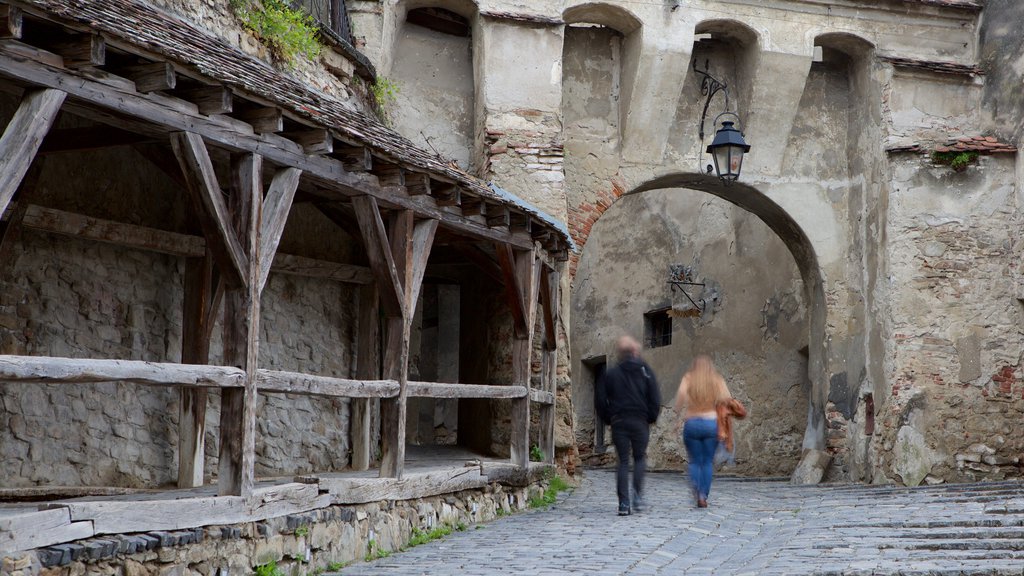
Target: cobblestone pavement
751, 527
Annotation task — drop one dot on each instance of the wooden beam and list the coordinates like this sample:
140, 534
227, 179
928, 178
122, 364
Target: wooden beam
520, 222
151, 77
82, 50
53, 370
355, 158
497, 216
527, 279
367, 368
514, 295
275, 214
23, 136
548, 297
413, 485
199, 298
310, 268
546, 398
15, 222
382, 263
86, 139
157, 115
264, 120
11, 19
417, 183
210, 206
32, 529
444, 390
472, 206
314, 141
237, 458
209, 100
541, 396
311, 385
389, 174
450, 197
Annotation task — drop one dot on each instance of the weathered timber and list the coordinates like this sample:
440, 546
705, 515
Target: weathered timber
85, 139
151, 77
520, 222
158, 115
527, 279
23, 136
452, 197
15, 222
388, 174
355, 158
275, 214
514, 294
412, 485
53, 370
313, 141
264, 120
209, 100
541, 396
445, 390
184, 509
417, 183
11, 20
310, 385
200, 292
367, 368
25, 529
310, 268
549, 306
82, 50
382, 262
237, 458
497, 216
512, 475
472, 206
210, 206
129, 235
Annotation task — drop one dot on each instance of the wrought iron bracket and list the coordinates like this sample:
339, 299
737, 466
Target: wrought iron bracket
677, 284
709, 86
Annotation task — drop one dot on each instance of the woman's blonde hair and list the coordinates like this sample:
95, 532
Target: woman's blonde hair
706, 384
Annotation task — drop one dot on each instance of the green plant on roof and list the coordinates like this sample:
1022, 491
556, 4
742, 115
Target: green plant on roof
384, 93
288, 32
957, 160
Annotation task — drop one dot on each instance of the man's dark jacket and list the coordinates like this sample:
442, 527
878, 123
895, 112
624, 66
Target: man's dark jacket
629, 390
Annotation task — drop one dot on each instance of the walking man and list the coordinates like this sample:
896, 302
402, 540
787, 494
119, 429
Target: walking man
628, 398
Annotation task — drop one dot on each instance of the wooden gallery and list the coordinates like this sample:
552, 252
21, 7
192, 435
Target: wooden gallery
242, 322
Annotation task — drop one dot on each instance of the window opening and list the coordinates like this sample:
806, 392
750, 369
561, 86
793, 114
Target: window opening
658, 328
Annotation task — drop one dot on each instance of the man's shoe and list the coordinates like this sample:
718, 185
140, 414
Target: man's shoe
623, 510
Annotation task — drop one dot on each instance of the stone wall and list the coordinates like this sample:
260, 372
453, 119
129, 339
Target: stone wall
296, 544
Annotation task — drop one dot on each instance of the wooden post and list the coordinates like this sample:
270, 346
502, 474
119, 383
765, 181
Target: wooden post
200, 289
23, 136
367, 368
241, 333
11, 230
527, 280
549, 362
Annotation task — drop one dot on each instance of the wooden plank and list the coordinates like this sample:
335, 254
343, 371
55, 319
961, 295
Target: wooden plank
264, 120
53, 370
11, 20
388, 174
497, 216
308, 384
237, 458
200, 291
513, 291
37, 529
367, 368
382, 263
446, 390
158, 115
541, 396
275, 214
18, 49
548, 297
151, 77
82, 50
23, 136
315, 141
452, 197
15, 222
413, 485
209, 100
422, 242
417, 183
310, 268
211, 208
472, 206
355, 158
129, 235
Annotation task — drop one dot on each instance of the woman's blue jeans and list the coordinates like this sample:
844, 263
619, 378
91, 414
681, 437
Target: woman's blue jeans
700, 435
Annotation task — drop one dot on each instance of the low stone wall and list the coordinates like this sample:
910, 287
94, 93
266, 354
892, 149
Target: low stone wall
297, 544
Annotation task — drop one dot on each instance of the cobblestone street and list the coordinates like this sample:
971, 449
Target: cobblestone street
750, 527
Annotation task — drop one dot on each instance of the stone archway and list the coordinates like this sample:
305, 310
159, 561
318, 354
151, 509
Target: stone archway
779, 233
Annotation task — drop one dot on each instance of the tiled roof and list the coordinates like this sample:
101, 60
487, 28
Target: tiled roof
934, 66
138, 23
980, 144
962, 4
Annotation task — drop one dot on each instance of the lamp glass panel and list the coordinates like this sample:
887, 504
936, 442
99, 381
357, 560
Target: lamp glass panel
722, 160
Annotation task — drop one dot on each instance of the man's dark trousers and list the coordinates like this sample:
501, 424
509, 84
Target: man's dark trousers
630, 435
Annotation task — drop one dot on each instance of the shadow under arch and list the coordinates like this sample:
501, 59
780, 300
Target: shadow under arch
608, 15
800, 246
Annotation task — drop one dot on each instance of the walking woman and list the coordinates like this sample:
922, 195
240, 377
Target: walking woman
700, 391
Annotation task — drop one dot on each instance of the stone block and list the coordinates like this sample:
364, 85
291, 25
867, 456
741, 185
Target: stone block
812, 467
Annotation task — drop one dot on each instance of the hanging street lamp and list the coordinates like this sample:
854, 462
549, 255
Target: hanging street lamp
728, 147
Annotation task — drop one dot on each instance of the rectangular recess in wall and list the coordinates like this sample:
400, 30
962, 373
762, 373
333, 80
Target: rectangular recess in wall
657, 328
